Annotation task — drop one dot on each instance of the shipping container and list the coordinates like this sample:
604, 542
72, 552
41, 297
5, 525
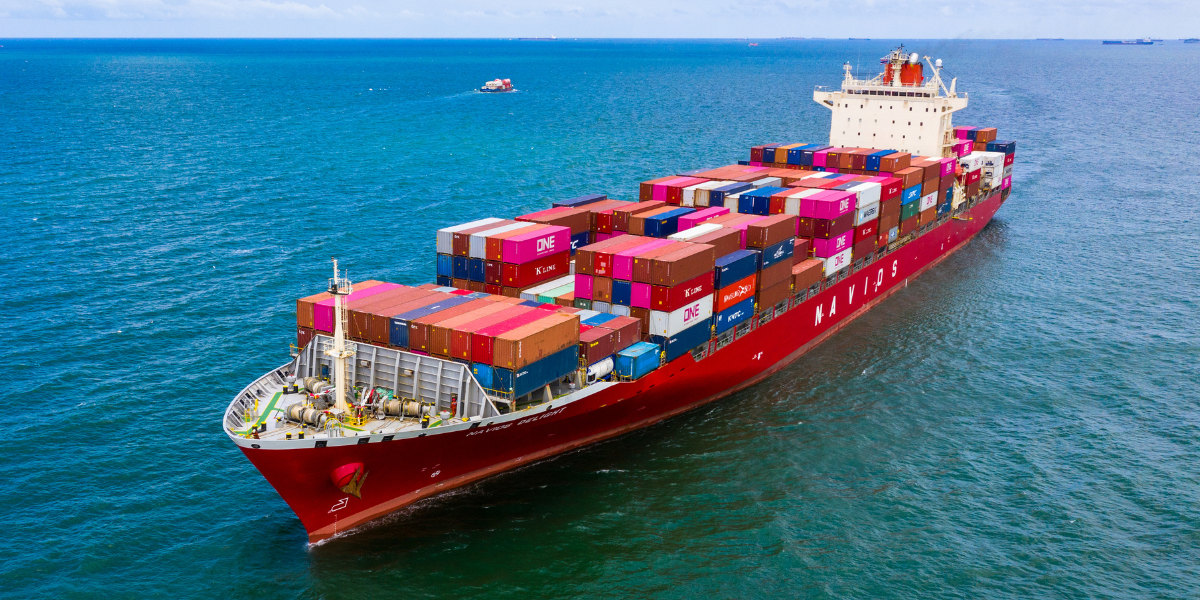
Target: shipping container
536, 271
477, 242
445, 236
770, 231
910, 210
494, 243
807, 273
685, 341
736, 292
776, 253
622, 292
622, 215
638, 360
596, 344
583, 286
735, 314
640, 295
420, 330
441, 333
767, 298
681, 266
723, 241
530, 246
828, 204
627, 331
801, 249
580, 201
524, 345
669, 298
774, 274
400, 323
578, 220
837, 262
826, 248
602, 289
695, 232
483, 339
534, 377
670, 323
604, 261
323, 310
643, 261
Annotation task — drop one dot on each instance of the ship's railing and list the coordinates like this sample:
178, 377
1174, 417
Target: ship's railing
258, 390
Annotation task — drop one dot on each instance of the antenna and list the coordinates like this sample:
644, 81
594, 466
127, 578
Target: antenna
339, 351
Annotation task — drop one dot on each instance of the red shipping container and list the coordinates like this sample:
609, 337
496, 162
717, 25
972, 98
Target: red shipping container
483, 340
621, 215
868, 230
895, 162
908, 225
911, 176
770, 231
602, 261
862, 249
646, 188
492, 272
461, 240
596, 344
826, 228
891, 206
735, 292
801, 249
493, 288
628, 331
643, 262
668, 299
304, 335
945, 183
890, 187
772, 275
1009, 159
536, 271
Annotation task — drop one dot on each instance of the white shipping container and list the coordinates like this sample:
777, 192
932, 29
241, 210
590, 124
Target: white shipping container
992, 159
532, 293
791, 204
668, 324
972, 161
601, 307
445, 236
695, 232
731, 201
478, 241
585, 315
866, 214
767, 182
867, 193
702, 191
835, 263
620, 310
571, 267
929, 201
689, 195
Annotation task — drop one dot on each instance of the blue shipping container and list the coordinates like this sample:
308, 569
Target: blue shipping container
599, 319
532, 377
776, 253
477, 295
445, 265
398, 336
744, 163
911, 194
637, 360
475, 269
943, 209
667, 223
443, 280
874, 159
622, 292
717, 197
735, 314
580, 201
734, 267
529, 303
460, 269
1005, 146
578, 240
684, 341
758, 202
948, 196
806, 155
794, 154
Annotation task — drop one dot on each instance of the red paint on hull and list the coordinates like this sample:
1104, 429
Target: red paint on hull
403, 471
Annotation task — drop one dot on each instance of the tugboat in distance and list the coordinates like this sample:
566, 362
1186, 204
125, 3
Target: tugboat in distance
498, 85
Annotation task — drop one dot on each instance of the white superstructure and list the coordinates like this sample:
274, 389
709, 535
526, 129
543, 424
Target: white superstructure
898, 109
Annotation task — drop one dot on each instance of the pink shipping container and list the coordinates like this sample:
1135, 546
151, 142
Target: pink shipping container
755, 163
819, 158
659, 191
947, 166
583, 286
623, 260
1006, 183
525, 247
543, 213
829, 204
741, 226
600, 237
691, 220
641, 295
823, 248
323, 310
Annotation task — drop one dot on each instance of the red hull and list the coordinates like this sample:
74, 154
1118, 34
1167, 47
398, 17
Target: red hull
403, 471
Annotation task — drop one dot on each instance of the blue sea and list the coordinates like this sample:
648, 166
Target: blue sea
1020, 422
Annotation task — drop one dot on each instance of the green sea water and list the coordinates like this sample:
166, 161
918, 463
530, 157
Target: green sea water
1020, 422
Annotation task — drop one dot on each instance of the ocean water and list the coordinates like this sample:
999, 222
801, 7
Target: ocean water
1020, 422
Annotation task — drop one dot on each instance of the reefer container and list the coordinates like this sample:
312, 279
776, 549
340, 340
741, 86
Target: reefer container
445, 236
671, 323
638, 360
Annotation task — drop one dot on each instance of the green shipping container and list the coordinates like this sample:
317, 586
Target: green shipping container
910, 210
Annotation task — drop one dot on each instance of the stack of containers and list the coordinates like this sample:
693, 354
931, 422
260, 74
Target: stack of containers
912, 180
520, 355
756, 201
681, 295
578, 220
927, 204
604, 335
890, 198
827, 218
773, 240
551, 291
736, 281
530, 255
305, 325
445, 249
971, 173
866, 214
478, 267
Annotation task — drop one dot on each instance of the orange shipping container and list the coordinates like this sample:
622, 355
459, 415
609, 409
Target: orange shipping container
304, 306
537, 340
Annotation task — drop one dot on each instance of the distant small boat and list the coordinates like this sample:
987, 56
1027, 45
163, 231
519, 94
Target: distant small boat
753, 44
1142, 42
1187, 41
498, 85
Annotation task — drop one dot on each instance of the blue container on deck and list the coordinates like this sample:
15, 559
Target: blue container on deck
911, 194
943, 209
949, 195
684, 341
744, 163
735, 314
1005, 146
580, 201
776, 253
459, 269
622, 292
475, 269
485, 374
806, 155
443, 280
477, 295
667, 223
534, 303
445, 265
637, 360
599, 319
578, 240
795, 154
532, 377
874, 159
398, 336
734, 267
717, 197
758, 202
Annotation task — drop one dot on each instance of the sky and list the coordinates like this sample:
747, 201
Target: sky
1008, 19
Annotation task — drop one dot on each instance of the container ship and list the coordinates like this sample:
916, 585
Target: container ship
560, 328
